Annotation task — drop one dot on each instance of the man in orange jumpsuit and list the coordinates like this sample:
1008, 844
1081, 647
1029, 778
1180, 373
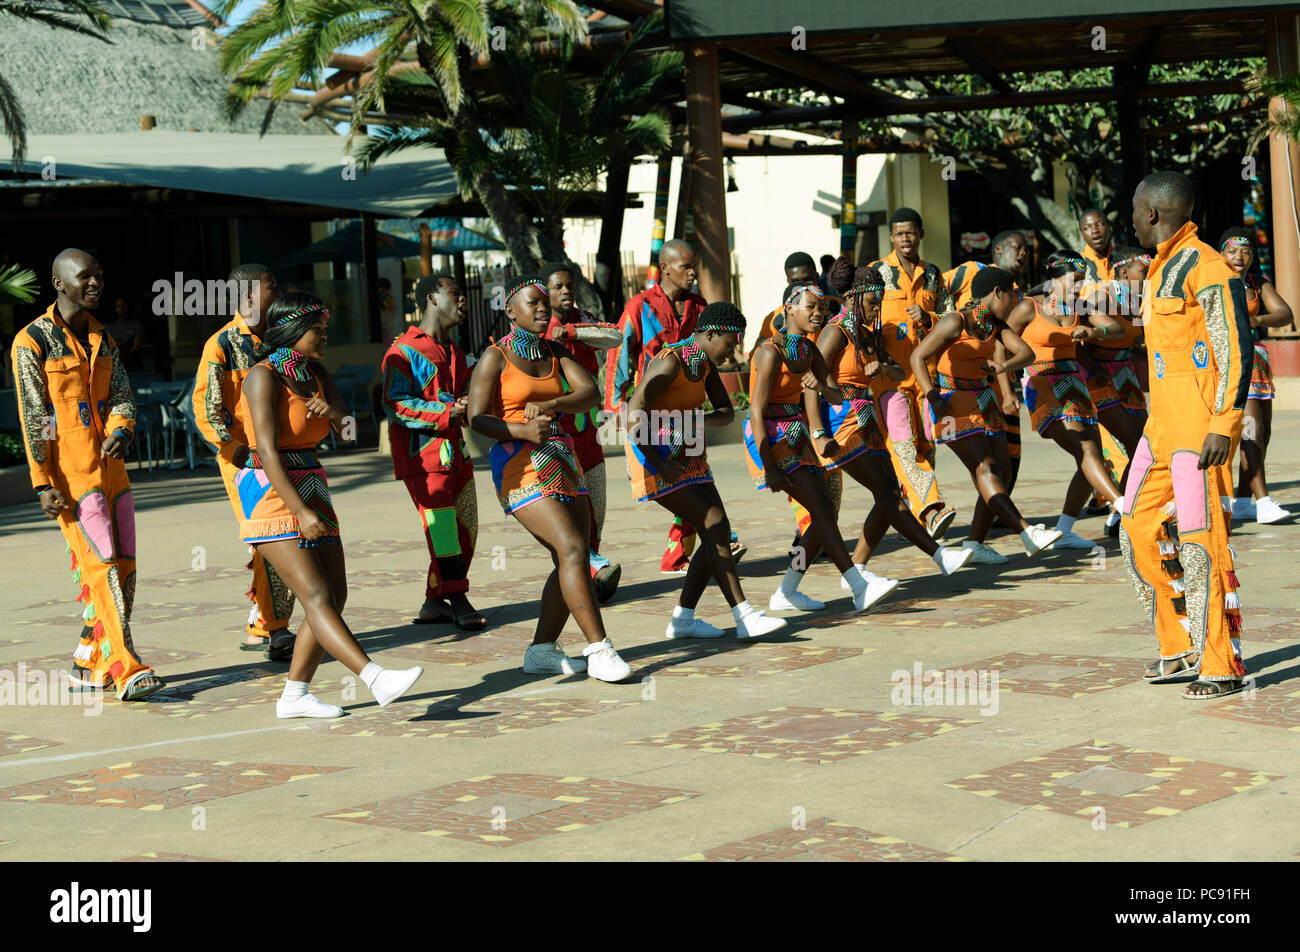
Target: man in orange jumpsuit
227, 358
914, 293
1199, 353
78, 419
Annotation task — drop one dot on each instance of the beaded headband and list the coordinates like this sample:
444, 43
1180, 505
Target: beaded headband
525, 283
800, 289
1236, 241
1144, 258
722, 326
309, 309
867, 289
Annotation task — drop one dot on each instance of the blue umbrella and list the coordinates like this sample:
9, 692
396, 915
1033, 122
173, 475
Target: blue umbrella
345, 245
449, 235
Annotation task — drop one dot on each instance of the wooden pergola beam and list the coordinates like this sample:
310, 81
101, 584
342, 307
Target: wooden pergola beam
967, 52
920, 107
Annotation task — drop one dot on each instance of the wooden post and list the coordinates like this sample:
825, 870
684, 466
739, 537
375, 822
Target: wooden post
609, 267
662, 183
708, 186
370, 272
1283, 50
1132, 144
849, 193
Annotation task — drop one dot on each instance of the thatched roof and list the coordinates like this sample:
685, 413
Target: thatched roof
71, 84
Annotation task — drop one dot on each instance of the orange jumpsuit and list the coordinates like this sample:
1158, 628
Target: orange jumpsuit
69, 403
227, 358
1199, 353
1098, 269
899, 404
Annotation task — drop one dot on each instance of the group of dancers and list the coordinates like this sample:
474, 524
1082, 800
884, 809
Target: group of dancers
863, 371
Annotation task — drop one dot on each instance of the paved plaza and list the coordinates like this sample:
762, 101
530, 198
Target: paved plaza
828, 741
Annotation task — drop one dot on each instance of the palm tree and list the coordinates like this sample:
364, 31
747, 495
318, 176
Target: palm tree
1286, 120
547, 135
97, 21
287, 44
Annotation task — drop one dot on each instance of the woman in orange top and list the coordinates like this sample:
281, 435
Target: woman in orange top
1113, 384
852, 352
291, 402
666, 462
779, 447
964, 411
1056, 391
521, 386
1267, 309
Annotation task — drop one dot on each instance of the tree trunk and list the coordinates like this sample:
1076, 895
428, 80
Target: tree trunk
516, 228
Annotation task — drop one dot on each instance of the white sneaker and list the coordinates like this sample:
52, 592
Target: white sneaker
757, 624
392, 684
1072, 540
795, 601
983, 554
950, 560
1268, 512
604, 664
694, 628
1243, 508
1039, 537
873, 589
549, 659
309, 705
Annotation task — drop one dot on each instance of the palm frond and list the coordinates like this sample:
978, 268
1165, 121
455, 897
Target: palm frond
17, 284
11, 117
97, 21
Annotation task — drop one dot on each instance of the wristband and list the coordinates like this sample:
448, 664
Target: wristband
42, 491
126, 434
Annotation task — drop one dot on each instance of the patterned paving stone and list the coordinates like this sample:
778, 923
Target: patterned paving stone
505, 643
22, 743
1271, 707
160, 659
480, 810
1059, 675
159, 783
170, 858
808, 734
215, 694
488, 718
1133, 786
1258, 624
942, 613
736, 660
823, 840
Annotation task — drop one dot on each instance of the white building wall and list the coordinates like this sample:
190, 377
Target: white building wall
770, 216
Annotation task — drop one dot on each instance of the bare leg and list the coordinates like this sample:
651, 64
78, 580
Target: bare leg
1082, 443
986, 465
810, 490
317, 578
562, 528
701, 506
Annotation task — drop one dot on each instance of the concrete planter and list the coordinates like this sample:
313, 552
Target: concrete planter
16, 486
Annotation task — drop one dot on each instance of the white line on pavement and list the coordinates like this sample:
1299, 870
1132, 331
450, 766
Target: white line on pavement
157, 743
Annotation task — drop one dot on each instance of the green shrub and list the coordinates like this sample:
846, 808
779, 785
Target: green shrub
12, 452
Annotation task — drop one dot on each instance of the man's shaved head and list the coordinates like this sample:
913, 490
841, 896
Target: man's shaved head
673, 249
70, 261
1162, 204
1170, 193
79, 279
